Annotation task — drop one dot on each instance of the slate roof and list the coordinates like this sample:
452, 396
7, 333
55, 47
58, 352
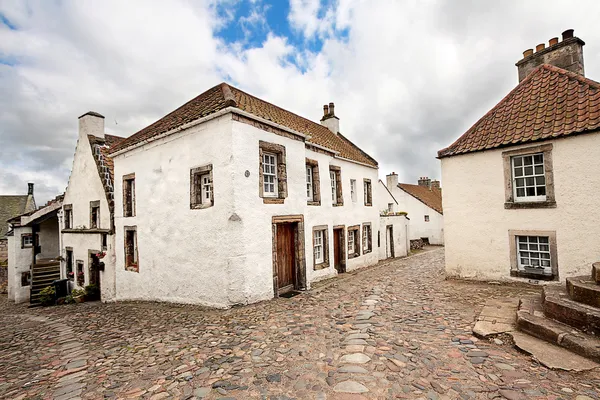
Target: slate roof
223, 96
432, 198
549, 103
12, 206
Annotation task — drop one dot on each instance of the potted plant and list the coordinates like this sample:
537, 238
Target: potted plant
80, 278
78, 295
47, 296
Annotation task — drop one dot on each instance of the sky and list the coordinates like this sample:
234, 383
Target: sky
407, 77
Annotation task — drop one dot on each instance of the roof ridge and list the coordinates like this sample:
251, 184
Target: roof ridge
228, 95
572, 75
358, 148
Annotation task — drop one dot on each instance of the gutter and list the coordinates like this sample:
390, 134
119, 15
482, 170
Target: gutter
355, 162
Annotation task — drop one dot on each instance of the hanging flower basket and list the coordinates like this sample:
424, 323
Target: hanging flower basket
101, 254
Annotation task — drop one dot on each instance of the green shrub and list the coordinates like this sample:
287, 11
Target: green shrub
92, 292
47, 296
77, 292
69, 299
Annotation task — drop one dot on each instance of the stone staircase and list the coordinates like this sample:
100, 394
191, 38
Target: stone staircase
43, 274
568, 317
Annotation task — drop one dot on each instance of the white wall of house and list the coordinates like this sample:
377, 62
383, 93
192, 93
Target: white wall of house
19, 261
417, 210
399, 236
48, 236
477, 224
85, 186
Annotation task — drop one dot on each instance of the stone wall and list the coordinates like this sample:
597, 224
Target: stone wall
416, 244
3, 265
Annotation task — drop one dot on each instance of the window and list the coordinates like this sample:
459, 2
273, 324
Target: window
390, 207
201, 187
367, 188
131, 250
529, 179
95, 214
104, 241
26, 278
26, 240
68, 212
367, 239
309, 183
313, 192
353, 241
129, 195
320, 249
426, 218
272, 173
335, 176
533, 254
80, 273
353, 190
69, 263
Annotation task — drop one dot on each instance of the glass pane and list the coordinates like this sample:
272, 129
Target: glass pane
524, 253
530, 191
544, 247
541, 191
533, 246
535, 262
528, 170
524, 261
522, 239
545, 255
529, 181
520, 182
523, 246
539, 169
519, 171
527, 160
518, 161
540, 180
520, 192
545, 263
532, 239
534, 255
538, 158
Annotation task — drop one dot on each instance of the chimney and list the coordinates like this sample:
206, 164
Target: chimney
392, 180
329, 119
567, 54
30, 189
91, 123
435, 184
425, 181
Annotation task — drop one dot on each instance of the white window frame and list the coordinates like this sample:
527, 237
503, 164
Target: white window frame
533, 252
319, 248
270, 173
27, 240
351, 240
390, 207
205, 188
310, 193
366, 230
353, 190
523, 181
333, 178
426, 217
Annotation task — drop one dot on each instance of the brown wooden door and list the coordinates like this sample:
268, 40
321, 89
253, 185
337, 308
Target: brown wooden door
285, 258
337, 256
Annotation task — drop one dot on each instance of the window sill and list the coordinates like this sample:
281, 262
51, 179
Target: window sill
313, 203
368, 205
353, 255
337, 204
322, 265
533, 275
367, 252
272, 200
200, 206
529, 204
94, 230
132, 269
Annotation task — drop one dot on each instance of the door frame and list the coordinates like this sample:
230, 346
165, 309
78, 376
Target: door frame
342, 232
94, 271
300, 260
391, 239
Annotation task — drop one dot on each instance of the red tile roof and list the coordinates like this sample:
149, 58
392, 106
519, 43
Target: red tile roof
432, 198
550, 103
223, 96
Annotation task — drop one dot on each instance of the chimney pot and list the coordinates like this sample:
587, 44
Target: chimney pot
553, 41
325, 110
540, 47
30, 189
331, 108
568, 34
527, 53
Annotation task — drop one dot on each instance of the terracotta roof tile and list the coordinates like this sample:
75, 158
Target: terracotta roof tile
432, 198
551, 102
223, 96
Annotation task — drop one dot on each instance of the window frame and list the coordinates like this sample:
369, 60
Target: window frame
525, 178
197, 192
95, 220
280, 184
426, 218
323, 262
310, 193
336, 186
316, 183
367, 237
518, 270
353, 231
368, 192
68, 216
353, 190
69, 264
28, 245
273, 174
511, 201
134, 266
129, 208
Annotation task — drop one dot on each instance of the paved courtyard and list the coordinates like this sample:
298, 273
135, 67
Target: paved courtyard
397, 330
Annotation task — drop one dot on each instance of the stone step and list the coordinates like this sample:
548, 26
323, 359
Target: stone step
584, 290
558, 306
531, 320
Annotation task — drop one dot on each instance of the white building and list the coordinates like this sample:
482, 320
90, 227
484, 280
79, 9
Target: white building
521, 185
87, 217
232, 200
422, 203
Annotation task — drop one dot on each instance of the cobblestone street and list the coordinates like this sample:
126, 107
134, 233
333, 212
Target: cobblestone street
397, 330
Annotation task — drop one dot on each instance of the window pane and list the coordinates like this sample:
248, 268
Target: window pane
532, 239
538, 158
519, 171
533, 246
544, 239
523, 246
524, 261
544, 247
530, 191
539, 169
535, 262
528, 160
529, 181
520, 192
545, 255
520, 182
518, 161
541, 191
524, 253
545, 263
528, 170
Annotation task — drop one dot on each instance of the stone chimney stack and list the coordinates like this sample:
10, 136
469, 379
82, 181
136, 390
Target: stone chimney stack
436, 184
392, 180
91, 123
567, 54
329, 119
425, 181
30, 189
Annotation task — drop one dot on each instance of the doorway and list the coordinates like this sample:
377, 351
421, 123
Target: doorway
94, 267
389, 241
339, 253
289, 272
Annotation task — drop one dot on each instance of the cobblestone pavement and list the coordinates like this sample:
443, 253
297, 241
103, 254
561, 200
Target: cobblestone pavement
397, 330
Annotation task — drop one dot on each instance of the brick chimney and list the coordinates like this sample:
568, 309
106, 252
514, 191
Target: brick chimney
425, 181
30, 189
567, 54
329, 119
91, 123
392, 180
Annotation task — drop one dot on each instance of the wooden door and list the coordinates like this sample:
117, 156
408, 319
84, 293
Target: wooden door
337, 257
285, 258
389, 241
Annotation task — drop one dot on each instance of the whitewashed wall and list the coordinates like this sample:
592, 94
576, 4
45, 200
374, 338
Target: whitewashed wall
400, 225
19, 261
49, 239
434, 229
477, 225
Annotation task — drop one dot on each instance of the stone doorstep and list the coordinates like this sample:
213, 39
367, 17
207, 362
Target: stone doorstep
584, 290
558, 306
497, 316
559, 334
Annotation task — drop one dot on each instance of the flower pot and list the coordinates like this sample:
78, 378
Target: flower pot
79, 299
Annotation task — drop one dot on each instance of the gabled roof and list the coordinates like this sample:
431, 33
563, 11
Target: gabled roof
388, 190
432, 198
100, 150
12, 206
549, 103
223, 96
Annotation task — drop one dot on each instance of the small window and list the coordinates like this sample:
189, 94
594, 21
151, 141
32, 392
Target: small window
367, 190
94, 214
69, 264
534, 254
68, 216
353, 241
333, 187
26, 240
129, 195
390, 207
353, 190
80, 273
104, 241
25, 278
309, 183
335, 176
131, 250
313, 192
427, 218
201, 187
367, 239
529, 177
270, 175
